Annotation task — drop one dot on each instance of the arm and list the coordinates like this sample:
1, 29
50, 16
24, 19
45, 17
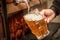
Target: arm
49, 14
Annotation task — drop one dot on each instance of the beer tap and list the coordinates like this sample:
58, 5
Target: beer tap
16, 2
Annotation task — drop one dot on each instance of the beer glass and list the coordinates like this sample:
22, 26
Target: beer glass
37, 25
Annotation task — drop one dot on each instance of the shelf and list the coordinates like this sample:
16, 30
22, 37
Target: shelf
12, 9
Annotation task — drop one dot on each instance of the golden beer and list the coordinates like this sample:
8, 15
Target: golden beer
37, 25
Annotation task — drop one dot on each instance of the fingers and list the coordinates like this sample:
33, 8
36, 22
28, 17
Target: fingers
50, 18
48, 15
47, 20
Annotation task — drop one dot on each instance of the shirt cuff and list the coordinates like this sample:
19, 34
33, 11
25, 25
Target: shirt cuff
55, 9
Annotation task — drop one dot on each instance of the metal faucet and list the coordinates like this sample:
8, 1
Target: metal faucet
16, 2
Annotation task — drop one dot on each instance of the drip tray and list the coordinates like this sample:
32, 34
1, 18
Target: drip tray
54, 29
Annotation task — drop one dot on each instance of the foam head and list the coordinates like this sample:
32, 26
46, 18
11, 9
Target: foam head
33, 17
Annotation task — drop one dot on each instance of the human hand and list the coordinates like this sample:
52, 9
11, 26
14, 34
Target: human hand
48, 15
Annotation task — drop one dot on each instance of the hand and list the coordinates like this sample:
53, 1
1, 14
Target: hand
48, 15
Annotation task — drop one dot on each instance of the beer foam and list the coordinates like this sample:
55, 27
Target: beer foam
33, 17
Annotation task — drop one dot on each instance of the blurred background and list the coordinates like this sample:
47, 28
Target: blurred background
12, 24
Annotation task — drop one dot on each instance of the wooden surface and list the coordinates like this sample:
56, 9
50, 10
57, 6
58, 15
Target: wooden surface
11, 8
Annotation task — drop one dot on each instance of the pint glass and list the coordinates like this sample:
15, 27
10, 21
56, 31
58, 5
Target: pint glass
37, 25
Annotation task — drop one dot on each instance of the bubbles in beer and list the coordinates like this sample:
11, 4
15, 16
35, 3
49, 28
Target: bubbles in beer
33, 17
37, 25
